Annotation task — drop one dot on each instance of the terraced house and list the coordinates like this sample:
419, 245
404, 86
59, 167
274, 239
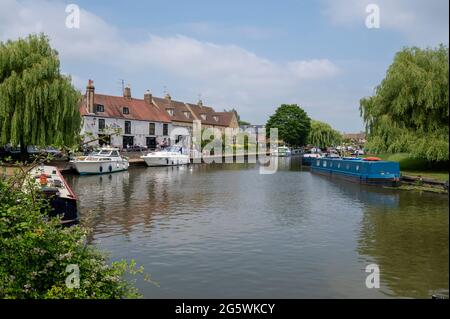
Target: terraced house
144, 122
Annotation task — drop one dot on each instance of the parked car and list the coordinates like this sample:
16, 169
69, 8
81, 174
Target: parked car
53, 151
136, 148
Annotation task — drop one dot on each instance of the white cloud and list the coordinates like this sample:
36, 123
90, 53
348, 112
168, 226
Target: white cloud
226, 74
313, 69
423, 22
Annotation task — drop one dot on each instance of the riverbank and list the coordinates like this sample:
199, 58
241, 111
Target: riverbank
417, 168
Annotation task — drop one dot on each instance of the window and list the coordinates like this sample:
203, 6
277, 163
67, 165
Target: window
151, 129
126, 110
187, 114
170, 111
203, 116
216, 118
100, 108
165, 129
127, 127
101, 124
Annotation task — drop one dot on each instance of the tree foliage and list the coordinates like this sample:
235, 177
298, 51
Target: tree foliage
35, 252
323, 135
38, 105
292, 122
410, 112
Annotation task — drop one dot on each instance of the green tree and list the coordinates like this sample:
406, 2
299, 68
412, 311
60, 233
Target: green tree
35, 251
323, 135
293, 124
238, 117
409, 111
38, 105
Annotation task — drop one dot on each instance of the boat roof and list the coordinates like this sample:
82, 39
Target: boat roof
354, 159
55, 180
108, 148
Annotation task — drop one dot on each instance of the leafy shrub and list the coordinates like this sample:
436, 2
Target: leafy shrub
35, 251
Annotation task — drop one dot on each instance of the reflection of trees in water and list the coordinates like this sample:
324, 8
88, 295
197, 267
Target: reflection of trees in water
409, 243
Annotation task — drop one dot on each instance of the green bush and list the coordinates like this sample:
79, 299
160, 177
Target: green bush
35, 251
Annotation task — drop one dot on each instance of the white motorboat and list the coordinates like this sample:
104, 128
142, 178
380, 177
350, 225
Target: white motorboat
282, 151
107, 160
168, 157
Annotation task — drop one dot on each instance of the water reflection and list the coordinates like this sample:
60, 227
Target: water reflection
410, 245
224, 230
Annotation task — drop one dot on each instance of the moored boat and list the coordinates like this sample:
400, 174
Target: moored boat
62, 200
107, 160
171, 156
310, 156
282, 151
371, 171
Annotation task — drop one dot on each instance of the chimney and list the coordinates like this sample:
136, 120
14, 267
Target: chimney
148, 97
168, 97
90, 92
200, 103
127, 92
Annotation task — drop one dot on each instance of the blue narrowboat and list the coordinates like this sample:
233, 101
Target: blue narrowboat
372, 171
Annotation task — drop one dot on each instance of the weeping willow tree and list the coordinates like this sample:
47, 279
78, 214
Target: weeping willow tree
410, 112
323, 135
38, 105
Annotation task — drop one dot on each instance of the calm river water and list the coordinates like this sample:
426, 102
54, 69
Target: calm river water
225, 231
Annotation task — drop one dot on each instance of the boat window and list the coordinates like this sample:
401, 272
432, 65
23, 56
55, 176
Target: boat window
348, 166
324, 163
104, 153
318, 163
339, 165
357, 167
331, 164
115, 154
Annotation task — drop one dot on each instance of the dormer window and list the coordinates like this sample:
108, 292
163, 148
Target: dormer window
170, 111
187, 114
125, 110
216, 118
100, 108
203, 116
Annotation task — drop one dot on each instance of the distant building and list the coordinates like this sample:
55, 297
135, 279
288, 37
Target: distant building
359, 138
144, 122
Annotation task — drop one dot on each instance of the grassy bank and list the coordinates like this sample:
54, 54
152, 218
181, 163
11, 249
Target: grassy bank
418, 167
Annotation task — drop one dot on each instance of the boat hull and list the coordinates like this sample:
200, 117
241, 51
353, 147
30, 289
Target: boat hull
368, 173
166, 161
307, 161
95, 167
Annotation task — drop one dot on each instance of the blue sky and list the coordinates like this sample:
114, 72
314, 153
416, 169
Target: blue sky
251, 55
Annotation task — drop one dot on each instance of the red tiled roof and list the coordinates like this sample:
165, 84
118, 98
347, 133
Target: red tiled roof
209, 112
179, 108
138, 109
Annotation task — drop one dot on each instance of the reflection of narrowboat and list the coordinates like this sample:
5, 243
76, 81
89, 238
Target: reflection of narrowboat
363, 170
61, 198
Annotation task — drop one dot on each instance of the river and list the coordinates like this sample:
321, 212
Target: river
226, 231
